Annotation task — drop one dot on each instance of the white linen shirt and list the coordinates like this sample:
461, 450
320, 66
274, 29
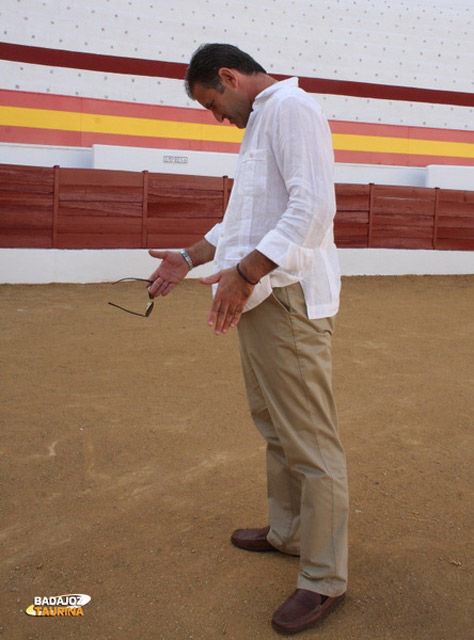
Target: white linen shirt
282, 201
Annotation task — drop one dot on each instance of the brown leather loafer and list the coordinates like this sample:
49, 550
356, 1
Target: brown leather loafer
302, 610
252, 539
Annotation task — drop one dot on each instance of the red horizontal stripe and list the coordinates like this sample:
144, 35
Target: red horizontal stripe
91, 61
177, 70
386, 92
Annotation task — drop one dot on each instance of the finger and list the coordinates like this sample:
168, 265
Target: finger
230, 320
156, 274
223, 319
235, 320
170, 286
158, 287
212, 318
212, 279
158, 253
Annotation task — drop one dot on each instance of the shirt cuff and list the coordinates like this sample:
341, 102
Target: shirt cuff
285, 253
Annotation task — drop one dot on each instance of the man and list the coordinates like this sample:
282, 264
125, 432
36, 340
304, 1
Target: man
278, 280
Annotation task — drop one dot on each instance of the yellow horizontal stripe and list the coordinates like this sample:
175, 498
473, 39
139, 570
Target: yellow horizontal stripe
117, 125
385, 144
148, 127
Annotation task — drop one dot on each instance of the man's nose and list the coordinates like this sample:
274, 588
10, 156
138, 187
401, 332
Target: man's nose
218, 116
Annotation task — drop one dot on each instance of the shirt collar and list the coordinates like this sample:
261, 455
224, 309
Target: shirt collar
273, 88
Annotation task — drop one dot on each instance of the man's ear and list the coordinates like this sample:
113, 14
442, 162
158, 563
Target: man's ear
228, 77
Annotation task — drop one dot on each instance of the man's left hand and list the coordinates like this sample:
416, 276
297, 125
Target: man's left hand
230, 299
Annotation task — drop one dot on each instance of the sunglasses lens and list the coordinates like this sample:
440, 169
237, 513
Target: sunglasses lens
149, 309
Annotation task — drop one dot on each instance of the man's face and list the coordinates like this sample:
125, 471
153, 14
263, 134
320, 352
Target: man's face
232, 104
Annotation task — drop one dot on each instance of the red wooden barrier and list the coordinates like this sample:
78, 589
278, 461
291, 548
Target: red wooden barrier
98, 209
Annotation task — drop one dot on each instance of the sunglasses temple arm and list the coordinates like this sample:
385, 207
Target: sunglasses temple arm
134, 313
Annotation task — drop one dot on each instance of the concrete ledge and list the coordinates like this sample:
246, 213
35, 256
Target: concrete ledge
42, 266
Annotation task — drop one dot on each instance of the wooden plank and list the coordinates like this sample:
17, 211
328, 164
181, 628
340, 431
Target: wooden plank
412, 219
98, 241
456, 208
12, 219
352, 236
343, 189
187, 205
101, 209
456, 196
455, 244
401, 231
86, 224
405, 207
22, 201
342, 217
25, 239
351, 243
434, 231
161, 182
176, 226
356, 230
403, 192
462, 222
455, 232
371, 214
96, 178
352, 203
54, 224
26, 179
172, 241
100, 193
188, 194
401, 243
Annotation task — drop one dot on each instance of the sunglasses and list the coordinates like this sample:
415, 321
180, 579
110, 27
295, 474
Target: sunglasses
151, 299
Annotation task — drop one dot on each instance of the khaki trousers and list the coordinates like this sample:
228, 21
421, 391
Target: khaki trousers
287, 367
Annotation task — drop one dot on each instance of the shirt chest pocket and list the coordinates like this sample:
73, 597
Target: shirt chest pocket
253, 172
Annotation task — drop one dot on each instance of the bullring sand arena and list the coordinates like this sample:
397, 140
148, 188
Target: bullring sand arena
128, 457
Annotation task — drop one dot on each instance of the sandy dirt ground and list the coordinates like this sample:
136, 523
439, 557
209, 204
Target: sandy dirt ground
128, 457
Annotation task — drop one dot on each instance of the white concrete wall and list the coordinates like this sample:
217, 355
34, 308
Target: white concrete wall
196, 163
42, 266
38, 155
447, 177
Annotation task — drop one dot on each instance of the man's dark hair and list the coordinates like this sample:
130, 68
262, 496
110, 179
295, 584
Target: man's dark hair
209, 58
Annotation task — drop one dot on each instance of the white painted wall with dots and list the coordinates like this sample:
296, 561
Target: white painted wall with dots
418, 43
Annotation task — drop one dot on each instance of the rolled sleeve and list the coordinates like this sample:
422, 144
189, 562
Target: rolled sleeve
212, 236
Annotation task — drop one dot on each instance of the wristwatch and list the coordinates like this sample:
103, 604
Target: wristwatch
187, 257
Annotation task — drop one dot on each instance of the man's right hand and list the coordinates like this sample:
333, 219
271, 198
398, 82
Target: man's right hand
172, 269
